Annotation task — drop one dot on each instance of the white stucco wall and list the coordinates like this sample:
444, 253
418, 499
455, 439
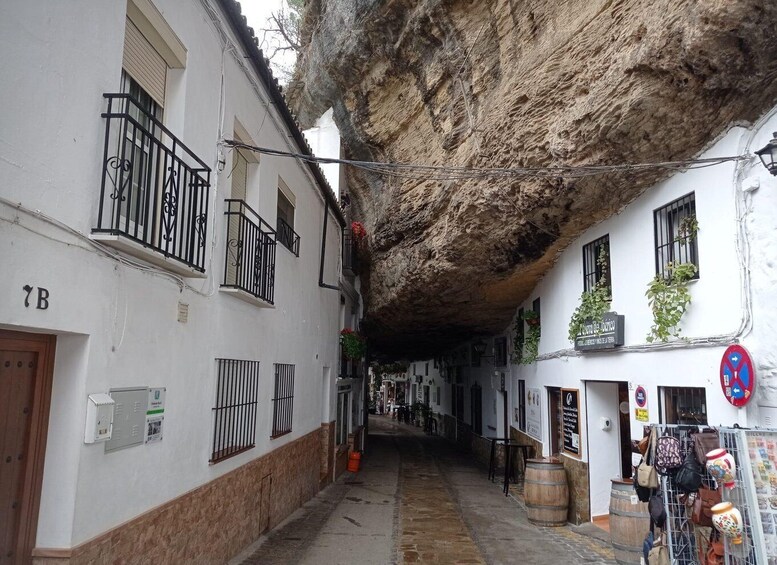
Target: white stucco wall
117, 325
324, 140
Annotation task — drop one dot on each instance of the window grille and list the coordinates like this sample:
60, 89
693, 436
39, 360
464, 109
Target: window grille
283, 399
675, 234
500, 352
596, 264
234, 422
474, 357
535, 306
684, 405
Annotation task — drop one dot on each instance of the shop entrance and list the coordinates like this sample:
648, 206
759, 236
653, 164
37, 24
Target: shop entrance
609, 442
26, 367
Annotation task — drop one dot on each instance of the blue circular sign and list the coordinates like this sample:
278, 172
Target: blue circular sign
640, 396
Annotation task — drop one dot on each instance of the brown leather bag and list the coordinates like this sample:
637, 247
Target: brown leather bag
715, 551
702, 506
705, 442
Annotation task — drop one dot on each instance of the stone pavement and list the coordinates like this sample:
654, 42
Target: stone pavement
418, 499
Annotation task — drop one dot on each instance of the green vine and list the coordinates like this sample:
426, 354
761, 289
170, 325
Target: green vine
531, 341
518, 339
594, 303
687, 229
668, 297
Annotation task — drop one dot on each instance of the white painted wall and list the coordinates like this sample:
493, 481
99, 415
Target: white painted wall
324, 141
117, 325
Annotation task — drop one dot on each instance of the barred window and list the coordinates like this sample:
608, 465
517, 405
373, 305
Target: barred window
684, 405
500, 352
675, 229
283, 400
234, 421
596, 264
520, 410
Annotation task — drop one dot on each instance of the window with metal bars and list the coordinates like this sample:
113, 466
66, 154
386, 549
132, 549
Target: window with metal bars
234, 422
500, 352
283, 400
684, 405
675, 228
596, 264
520, 411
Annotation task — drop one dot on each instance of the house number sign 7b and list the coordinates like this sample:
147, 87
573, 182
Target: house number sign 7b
42, 302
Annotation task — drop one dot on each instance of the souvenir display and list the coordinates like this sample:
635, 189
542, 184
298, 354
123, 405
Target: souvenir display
720, 464
728, 521
762, 452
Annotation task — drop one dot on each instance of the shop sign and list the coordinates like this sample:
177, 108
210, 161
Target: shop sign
155, 415
606, 334
640, 399
534, 413
571, 419
737, 375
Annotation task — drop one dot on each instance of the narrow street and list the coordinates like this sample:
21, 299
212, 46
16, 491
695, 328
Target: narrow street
417, 498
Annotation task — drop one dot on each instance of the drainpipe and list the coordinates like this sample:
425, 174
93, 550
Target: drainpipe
321, 282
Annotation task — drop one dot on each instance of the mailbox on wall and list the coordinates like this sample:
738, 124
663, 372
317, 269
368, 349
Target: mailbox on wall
99, 418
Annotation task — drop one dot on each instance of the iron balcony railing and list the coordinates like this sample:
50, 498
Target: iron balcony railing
154, 190
250, 252
287, 237
350, 264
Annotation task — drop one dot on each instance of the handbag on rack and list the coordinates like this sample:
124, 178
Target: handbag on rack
659, 554
688, 477
646, 472
706, 498
715, 554
668, 454
703, 443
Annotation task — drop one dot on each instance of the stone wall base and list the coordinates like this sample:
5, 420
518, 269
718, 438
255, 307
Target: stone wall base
213, 522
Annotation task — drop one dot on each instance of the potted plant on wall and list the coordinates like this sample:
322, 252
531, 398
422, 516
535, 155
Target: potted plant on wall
594, 302
354, 345
531, 341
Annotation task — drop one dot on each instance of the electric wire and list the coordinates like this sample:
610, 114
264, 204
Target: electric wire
418, 171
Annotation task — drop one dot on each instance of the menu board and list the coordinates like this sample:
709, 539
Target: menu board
762, 449
570, 400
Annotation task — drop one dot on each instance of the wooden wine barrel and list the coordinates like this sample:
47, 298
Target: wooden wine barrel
545, 492
629, 522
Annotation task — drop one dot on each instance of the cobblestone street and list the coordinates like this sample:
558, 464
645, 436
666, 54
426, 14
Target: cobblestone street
418, 499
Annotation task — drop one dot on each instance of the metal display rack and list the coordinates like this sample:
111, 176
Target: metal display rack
744, 496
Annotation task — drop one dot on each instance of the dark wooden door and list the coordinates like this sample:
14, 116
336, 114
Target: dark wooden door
26, 367
477, 409
17, 383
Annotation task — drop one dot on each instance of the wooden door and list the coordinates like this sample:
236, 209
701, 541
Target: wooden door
26, 365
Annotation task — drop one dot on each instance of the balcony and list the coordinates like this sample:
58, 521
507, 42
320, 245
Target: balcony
154, 193
287, 237
350, 262
250, 253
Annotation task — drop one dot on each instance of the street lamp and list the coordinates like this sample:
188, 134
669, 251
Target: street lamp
479, 347
768, 155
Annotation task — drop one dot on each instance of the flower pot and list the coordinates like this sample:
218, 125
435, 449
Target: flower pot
533, 322
720, 464
728, 521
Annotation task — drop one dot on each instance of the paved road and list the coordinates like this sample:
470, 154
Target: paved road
417, 499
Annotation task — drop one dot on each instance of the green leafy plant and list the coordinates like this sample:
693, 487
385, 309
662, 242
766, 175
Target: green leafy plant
354, 345
518, 338
687, 229
531, 340
594, 304
669, 297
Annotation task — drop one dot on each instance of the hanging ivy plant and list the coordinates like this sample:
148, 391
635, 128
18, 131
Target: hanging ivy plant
595, 302
518, 338
593, 305
687, 229
531, 341
669, 297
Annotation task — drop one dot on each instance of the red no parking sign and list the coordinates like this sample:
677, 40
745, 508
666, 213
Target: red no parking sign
737, 375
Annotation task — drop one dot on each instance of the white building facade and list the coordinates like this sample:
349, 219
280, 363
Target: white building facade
148, 259
610, 395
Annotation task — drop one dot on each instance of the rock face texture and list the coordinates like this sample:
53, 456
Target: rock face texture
507, 83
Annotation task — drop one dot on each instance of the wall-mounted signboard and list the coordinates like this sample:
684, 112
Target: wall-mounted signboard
570, 401
605, 335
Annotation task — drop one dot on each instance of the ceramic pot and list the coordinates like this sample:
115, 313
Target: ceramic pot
728, 521
720, 464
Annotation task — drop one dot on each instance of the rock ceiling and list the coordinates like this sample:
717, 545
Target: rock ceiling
498, 83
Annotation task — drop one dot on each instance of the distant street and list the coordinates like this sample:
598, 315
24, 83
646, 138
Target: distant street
418, 499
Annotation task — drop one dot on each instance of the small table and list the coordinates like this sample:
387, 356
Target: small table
491, 466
